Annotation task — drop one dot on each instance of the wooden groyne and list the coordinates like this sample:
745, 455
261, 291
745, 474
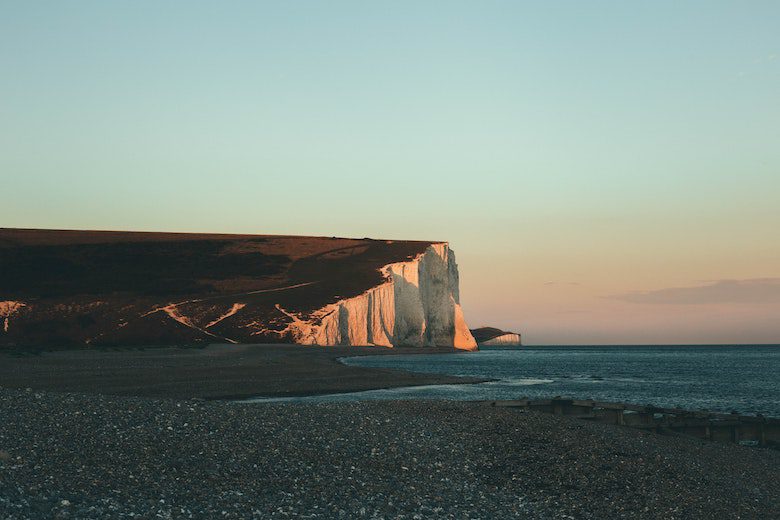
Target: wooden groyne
747, 430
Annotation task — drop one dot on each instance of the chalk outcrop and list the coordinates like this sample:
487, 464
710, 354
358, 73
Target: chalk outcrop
113, 288
505, 340
417, 305
493, 337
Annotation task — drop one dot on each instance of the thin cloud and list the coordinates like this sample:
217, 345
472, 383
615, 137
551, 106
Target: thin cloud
756, 290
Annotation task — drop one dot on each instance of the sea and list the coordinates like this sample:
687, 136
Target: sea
719, 378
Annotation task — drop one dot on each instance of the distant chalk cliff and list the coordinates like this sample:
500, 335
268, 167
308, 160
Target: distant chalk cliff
62, 288
493, 337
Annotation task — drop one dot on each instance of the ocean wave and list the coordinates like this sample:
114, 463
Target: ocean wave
527, 381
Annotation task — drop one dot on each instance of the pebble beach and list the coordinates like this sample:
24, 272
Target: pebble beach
73, 455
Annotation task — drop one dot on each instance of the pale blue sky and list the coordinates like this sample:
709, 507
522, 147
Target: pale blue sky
609, 147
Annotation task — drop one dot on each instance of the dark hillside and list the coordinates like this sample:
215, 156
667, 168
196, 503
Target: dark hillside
99, 287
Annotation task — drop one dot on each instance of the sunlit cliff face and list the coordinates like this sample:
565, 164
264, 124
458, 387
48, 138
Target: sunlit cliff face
168, 288
418, 305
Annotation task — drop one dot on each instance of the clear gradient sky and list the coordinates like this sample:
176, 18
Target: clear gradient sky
607, 172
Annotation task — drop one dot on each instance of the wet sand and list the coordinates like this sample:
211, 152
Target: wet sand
213, 372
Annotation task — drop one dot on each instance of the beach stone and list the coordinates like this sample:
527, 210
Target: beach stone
90, 457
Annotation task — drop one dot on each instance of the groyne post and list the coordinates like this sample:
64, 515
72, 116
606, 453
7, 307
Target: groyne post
738, 429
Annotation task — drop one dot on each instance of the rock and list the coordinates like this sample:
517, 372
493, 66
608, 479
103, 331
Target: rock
234, 289
491, 336
417, 305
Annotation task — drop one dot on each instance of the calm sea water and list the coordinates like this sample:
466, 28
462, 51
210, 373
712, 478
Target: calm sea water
718, 378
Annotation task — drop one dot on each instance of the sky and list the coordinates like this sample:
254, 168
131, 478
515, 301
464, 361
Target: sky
606, 172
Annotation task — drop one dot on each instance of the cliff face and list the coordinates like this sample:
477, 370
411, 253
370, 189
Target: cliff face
491, 336
106, 288
505, 340
417, 305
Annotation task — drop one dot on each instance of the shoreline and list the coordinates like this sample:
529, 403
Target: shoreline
214, 372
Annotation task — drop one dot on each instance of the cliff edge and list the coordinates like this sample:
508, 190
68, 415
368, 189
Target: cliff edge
61, 288
493, 337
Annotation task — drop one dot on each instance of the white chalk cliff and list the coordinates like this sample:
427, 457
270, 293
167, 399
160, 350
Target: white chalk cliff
236, 289
417, 305
510, 339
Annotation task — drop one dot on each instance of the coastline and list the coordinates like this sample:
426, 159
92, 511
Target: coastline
151, 433
216, 371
